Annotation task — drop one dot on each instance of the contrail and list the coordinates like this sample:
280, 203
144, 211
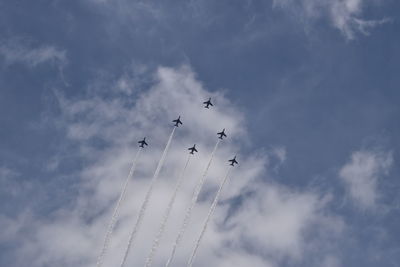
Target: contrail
210, 213
115, 214
156, 241
146, 200
188, 214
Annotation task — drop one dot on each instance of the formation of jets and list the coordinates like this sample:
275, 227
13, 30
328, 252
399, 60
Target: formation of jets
193, 149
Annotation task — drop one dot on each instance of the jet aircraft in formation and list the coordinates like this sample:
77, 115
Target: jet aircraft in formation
193, 149
233, 161
143, 142
221, 134
177, 121
208, 103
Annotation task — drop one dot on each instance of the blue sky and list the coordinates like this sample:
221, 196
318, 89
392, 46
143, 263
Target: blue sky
308, 91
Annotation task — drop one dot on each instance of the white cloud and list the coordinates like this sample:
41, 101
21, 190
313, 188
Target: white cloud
242, 259
362, 174
20, 51
345, 15
269, 226
279, 219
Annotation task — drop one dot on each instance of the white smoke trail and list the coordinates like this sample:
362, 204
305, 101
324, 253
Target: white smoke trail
146, 200
115, 214
188, 213
157, 239
210, 213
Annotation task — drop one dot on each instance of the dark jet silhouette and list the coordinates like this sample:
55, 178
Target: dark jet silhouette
208, 103
177, 121
143, 142
193, 149
221, 134
233, 161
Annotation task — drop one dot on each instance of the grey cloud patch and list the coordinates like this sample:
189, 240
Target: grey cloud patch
21, 51
362, 173
346, 16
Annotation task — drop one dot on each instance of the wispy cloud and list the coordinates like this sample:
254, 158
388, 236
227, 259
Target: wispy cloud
331, 261
8, 184
269, 225
345, 15
6, 172
361, 176
20, 51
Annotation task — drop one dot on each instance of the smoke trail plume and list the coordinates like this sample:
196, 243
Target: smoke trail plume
188, 213
115, 214
157, 239
146, 200
210, 213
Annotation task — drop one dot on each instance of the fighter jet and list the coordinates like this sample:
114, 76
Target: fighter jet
143, 142
177, 121
193, 149
208, 103
233, 161
221, 134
